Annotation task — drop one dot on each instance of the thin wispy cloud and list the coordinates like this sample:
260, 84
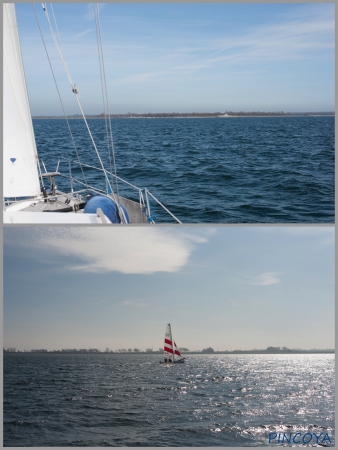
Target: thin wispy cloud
265, 279
141, 77
134, 303
325, 235
291, 40
83, 33
220, 51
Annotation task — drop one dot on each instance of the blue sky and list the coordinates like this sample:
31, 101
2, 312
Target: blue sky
225, 287
185, 57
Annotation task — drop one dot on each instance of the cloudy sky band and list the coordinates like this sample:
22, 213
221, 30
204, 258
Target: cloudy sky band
241, 287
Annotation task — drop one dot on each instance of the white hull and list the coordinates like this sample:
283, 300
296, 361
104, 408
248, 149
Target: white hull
17, 217
180, 361
63, 208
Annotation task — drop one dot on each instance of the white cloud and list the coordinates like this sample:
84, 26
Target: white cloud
129, 250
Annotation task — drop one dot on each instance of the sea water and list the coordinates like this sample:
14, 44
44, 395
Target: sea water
132, 400
211, 170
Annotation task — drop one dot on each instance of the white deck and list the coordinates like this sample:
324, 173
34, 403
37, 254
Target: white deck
50, 218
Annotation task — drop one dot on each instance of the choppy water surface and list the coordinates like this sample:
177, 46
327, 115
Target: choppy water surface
132, 400
234, 170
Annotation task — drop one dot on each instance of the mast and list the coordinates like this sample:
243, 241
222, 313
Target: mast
172, 343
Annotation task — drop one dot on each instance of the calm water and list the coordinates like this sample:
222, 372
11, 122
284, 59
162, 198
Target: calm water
235, 170
131, 400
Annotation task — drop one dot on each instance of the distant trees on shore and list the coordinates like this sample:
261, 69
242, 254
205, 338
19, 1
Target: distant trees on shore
210, 350
194, 114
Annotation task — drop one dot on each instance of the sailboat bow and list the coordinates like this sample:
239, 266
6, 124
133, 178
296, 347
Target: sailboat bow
29, 189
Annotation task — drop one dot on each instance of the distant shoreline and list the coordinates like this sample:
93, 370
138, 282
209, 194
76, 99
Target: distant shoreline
229, 115
235, 352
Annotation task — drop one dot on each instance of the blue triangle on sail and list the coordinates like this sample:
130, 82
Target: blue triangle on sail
13, 160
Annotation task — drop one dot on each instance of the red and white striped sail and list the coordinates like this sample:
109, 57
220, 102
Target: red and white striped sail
170, 347
177, 352
168, 342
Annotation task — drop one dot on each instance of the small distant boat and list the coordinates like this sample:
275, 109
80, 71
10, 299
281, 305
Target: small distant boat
171, 352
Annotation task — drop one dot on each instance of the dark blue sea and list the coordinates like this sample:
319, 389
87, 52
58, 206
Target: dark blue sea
212, 170
132, 400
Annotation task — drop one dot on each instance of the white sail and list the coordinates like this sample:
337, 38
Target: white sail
20, 157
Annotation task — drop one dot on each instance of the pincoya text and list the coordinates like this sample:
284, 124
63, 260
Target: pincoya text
299, 438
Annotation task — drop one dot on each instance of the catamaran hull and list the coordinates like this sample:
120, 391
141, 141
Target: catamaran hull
181, 361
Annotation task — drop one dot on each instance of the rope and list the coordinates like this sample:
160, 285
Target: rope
105, 93
74, 89
103, 97
57, 88
56, 26
57, 45
172, 215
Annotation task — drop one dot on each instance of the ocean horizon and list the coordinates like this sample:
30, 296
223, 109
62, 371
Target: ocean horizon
257, 170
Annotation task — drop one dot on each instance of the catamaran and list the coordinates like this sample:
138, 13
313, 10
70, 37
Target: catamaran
171, 352
29, 189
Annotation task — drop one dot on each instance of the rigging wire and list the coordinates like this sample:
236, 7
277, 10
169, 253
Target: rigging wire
57, 88
105, 93
75, 91
103, 96
56, 26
